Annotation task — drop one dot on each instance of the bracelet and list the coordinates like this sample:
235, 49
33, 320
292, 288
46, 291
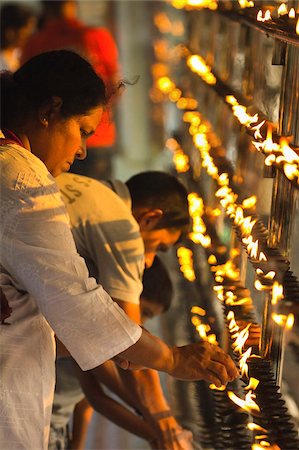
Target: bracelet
162, 414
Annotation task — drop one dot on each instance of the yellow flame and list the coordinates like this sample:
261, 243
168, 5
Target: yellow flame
292, 13
241, 339
246, 3
249, 202
297, 26
212, 259
181, 161
261, 287
255, 427
283, 320
244, 118
252, 385
243, 362
215, 388
282, 10
248, 404
257, 130
198, 310
165, 84
277, 293
289, 154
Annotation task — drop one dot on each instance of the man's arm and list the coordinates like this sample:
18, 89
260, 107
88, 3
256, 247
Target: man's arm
145, 386
113, 410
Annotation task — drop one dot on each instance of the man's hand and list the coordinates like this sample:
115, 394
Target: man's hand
172, 436
203, 361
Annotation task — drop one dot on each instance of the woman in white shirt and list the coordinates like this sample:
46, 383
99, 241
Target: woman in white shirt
49, 107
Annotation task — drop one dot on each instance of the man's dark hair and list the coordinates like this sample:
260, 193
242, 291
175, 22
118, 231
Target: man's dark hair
157, 285
154, 189
60, 73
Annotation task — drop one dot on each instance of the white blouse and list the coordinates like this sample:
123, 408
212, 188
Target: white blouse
48, 288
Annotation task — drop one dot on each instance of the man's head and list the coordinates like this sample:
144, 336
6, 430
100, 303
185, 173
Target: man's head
160, 206
157, 291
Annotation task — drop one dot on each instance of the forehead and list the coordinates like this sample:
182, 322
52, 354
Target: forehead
92, 118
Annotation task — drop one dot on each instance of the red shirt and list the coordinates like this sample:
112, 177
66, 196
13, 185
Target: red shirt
94, 44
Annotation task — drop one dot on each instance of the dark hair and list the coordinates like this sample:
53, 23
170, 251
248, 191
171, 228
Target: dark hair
157, 285
13, 16
60, 73
53, 7
161, 190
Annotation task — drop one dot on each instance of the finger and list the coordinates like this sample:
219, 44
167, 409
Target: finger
223, 358
220, 371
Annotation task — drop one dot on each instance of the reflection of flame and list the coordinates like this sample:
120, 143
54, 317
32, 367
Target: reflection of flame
248, 404
282, 10
277, 293
252, 385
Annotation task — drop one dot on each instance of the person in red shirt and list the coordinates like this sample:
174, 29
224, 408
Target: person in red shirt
60, 29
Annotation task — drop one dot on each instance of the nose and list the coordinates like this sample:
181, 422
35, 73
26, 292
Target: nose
81, 153
149, 259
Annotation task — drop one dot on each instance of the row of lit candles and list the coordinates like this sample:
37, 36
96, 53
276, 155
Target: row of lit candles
262, 16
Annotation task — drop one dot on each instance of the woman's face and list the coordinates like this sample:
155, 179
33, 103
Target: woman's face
60, 141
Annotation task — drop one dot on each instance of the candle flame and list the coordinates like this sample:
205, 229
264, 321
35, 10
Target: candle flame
248, 404
249, 202
241, 339
252, 385
297, 26
198, 310
292, 13
257, 130
216, 388
282, 10
243, 362
277, 293
254, 426
283, 320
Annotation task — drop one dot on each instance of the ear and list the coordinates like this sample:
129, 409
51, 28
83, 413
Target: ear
149, 220
49, 110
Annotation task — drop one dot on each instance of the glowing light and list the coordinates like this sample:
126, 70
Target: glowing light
249, 202
255, 427
282, 10
261, 287
181, 161
252, 385
212, 259
198, 65
185, 257
216, 388
297, 26
198, 310
244, 118
241, 339
248, 404
292, 13
231, 100
246, 3
243, 362
257, 130
261, 18
165, 84
277, 293
283, 320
